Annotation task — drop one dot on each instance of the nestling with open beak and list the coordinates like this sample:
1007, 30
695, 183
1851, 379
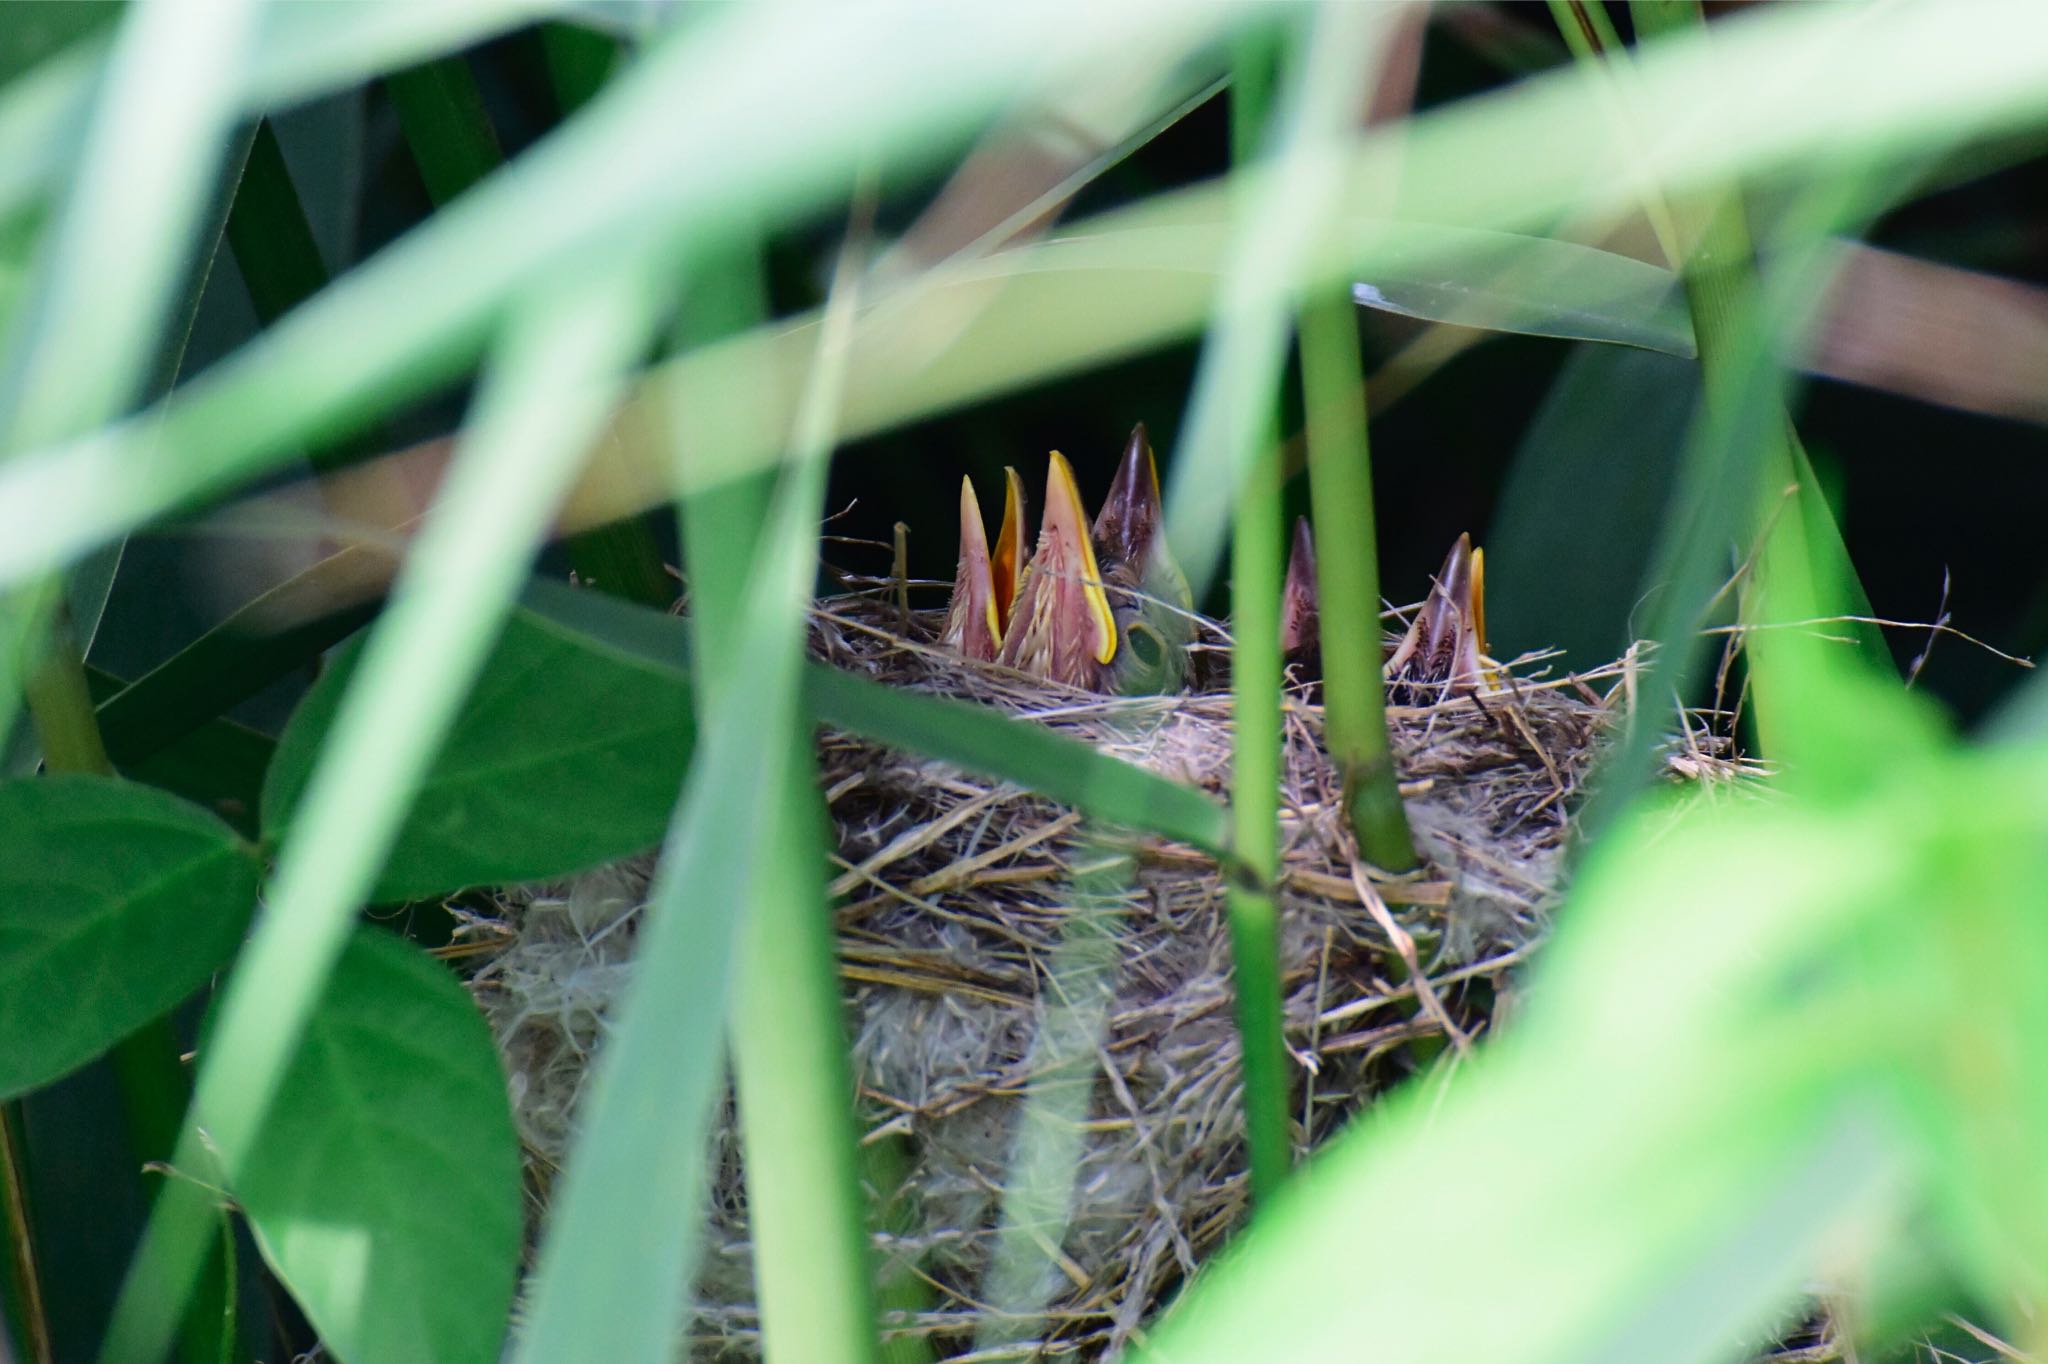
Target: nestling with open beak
1443, 652
1104, 607
1101, 607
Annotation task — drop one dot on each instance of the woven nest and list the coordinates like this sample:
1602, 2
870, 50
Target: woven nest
1020, 982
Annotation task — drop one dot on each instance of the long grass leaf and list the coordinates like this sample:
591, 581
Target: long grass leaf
792, 1077
691, 133
615, 1264
542, 402
976, 737
123, 238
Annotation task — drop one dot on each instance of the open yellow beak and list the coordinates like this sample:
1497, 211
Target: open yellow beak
1062, 627
1066, 533
1007, 560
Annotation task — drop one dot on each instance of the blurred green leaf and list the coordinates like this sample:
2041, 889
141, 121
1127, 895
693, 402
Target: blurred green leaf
385, 1191
563, 757
655, 1089
977, 737
116, 901
442, 113
1569, 545
1541, 286
37, 29
42, 120
1694, 1112
692, 132
121, 240
307, 50
218, 766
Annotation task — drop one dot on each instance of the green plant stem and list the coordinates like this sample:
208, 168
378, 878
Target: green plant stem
1255, 680
1740, 460
1347, 581
1257, 552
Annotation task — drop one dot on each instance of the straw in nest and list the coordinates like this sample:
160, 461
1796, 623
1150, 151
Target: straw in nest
1001, 956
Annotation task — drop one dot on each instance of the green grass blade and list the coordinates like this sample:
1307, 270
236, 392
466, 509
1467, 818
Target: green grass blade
690, 133
541, 404
1623, 1186
1542, 286
43, 116
806, 1215
119, 245
307, 50
616, 1261
989, 742
1049, 1141
974, 736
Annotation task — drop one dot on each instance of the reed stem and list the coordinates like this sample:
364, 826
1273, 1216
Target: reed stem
1347, 581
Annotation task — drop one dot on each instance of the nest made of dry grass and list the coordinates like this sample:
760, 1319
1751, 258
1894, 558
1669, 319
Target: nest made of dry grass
999, 953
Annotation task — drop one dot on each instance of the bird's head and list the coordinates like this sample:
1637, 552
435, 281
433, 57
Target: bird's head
1102, 606
985, 584
1443, 652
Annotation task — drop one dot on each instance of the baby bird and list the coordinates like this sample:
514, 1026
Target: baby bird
1443, 652
1101, 607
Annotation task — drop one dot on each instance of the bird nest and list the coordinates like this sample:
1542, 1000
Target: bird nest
1027, 990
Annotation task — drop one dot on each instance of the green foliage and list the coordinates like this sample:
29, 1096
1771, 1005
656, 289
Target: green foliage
385, 1191
1780, 1030
605, 737
116, 902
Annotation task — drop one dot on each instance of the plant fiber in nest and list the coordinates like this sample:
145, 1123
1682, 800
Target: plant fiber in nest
1001, 956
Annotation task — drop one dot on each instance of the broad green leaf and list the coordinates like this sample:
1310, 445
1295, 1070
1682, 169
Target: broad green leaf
563, 757
116, 902
1541, 286
385, 1189
976, 737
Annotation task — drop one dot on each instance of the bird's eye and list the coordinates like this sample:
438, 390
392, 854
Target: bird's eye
1146, 644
